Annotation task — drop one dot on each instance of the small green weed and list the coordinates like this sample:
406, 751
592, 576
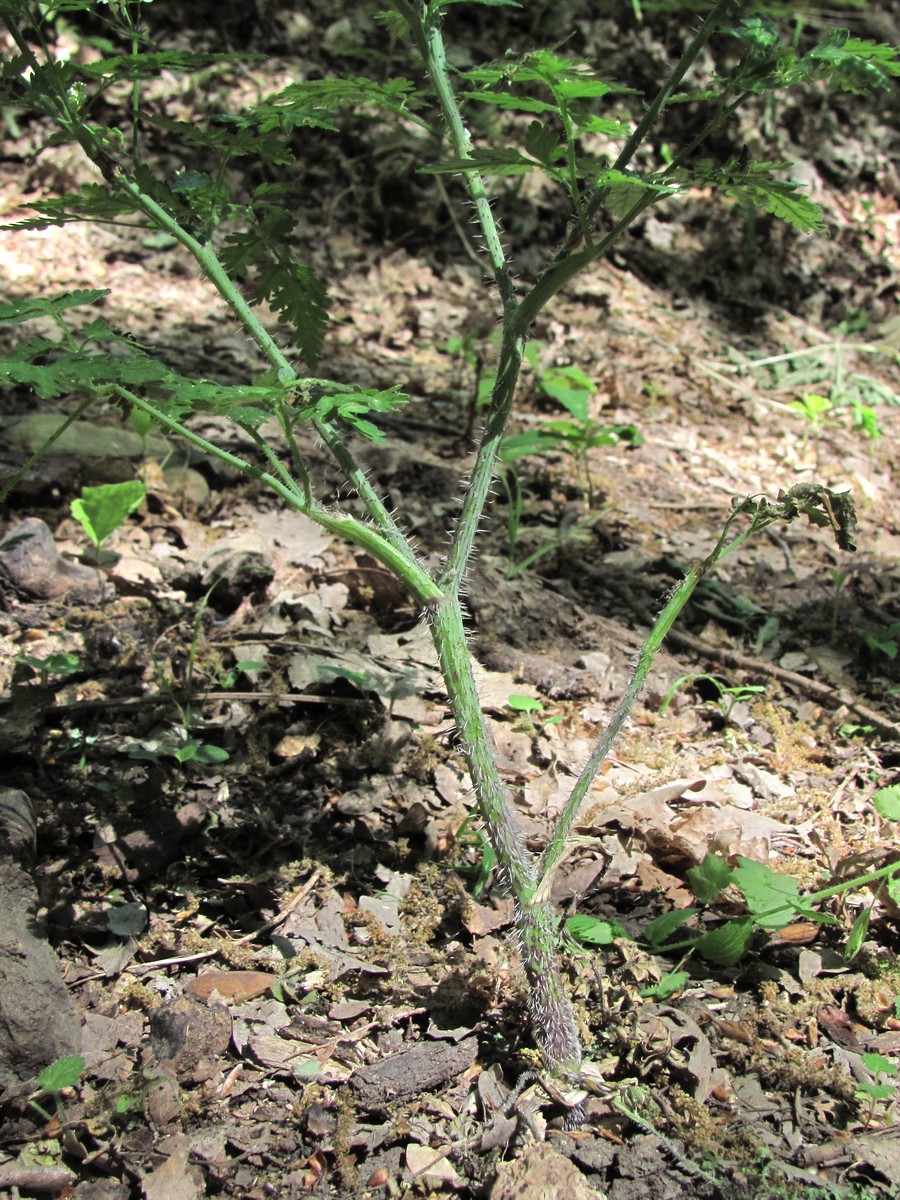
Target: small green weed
101, 510
882, 641
771, 901
53, 1080
576, 435
877, 1092
725, 699
528, 707
50, 664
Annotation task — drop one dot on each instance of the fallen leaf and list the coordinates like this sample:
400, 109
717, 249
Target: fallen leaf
236, 986
175, 1179
431, 1167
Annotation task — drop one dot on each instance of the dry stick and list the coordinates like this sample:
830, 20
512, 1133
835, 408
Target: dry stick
745, 662
812, 687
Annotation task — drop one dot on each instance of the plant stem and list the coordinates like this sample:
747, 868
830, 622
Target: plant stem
511, 351
681, 68
558, 843
410, 572
444, 615
432, 43
14, 480
553, 1018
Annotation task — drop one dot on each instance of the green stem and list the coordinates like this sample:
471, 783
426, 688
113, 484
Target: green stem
552, 1016
558, 843
650, 117
562, 270
511, 351
537, 927
432, 41
42, 450
224, 285
444, 615
414, 576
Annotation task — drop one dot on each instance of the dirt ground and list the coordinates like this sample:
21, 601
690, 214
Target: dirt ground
233, 798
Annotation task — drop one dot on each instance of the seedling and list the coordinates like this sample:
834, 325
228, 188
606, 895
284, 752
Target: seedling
231, 676
877, 1092
824, 372
567, 532
886, 802
882, 641
101, 510
726, 698
188, 750
53, 1080
838, 578
50, 664
814, 409
244, 243
468, 838
573, 389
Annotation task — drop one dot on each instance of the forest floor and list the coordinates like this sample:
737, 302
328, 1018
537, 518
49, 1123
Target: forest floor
288, 980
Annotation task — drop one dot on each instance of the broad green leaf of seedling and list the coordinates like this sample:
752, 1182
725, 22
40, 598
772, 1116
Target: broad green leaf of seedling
658, 932
63, 1073
571, 388
669, 985
710, 878
524, 704
127, 920
50, 664
878, 1064
101, 510
857, 934
728, 944
865, 420
886, 802
201, 752
591, 931
876, 1091
812, 406
885, 641
773, 899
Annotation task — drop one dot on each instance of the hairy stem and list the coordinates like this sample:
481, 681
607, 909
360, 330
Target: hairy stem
557, 847
414, 576
436, 61
553, 1018
448, 633
511, 351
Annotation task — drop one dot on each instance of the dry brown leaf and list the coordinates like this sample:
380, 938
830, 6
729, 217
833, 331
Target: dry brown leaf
175, 1179
236, 986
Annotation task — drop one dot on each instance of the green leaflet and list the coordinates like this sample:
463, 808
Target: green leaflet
728, 944
710, 878
773, 899
339, 402
782, 199
496, 160
101, 510
658, 932
49, 306
290, 287
316, 102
